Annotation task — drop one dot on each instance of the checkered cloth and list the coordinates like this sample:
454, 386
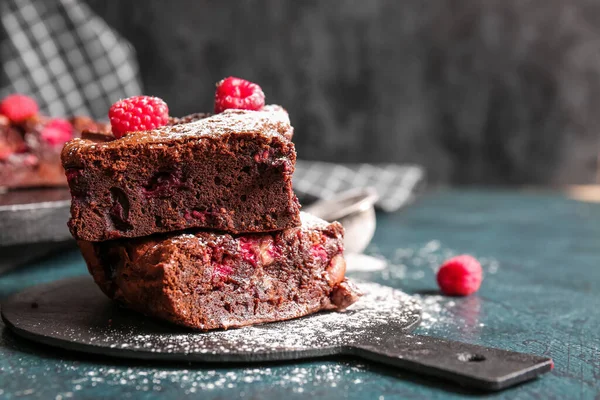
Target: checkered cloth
72, 63
65, 56
395, 184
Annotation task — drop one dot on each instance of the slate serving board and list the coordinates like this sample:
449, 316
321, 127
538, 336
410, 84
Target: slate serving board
73, 314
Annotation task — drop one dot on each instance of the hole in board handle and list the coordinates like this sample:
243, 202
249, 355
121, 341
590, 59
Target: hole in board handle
468, 357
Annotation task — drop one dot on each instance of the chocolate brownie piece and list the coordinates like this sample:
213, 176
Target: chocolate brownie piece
206, 280
230, 172
27, 160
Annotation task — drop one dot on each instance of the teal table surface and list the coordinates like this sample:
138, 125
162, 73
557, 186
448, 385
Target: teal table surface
541, 295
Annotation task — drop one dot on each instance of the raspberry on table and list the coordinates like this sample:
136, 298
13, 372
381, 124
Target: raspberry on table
18, 107
460, 276
57, 132
138, 113
236, 93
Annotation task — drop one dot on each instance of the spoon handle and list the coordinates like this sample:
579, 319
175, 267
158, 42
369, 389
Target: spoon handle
467, 364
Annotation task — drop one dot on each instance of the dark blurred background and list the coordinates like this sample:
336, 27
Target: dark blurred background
494, 92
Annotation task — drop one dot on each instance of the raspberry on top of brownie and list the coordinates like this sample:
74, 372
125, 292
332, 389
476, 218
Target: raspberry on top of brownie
230, 171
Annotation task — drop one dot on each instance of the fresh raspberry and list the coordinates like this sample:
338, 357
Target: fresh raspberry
460, 276
57, 132
18, 107
60, 123
239, 94
138, 113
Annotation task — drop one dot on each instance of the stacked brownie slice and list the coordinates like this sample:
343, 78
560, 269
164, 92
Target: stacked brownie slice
195, 222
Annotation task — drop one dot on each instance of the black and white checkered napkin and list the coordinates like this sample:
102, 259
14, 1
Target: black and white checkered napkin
72, 63
396, 184
65, 56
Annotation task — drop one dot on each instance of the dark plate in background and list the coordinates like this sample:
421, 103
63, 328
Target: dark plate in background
33, 224
34, 216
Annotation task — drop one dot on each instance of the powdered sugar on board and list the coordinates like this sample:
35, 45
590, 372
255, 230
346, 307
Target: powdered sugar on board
381, 306
86, 321
414, 268
94, 320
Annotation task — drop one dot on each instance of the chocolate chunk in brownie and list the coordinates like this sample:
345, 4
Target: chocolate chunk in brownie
230, 172
206, 280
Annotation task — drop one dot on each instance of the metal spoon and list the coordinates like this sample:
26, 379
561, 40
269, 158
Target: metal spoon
354, 209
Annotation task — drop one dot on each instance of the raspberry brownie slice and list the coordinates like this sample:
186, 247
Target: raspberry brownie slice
230, 171
206, 280
30, 143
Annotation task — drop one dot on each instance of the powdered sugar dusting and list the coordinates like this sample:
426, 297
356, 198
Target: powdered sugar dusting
93, 380
271, 121
381, 306
310, 221
380, 312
